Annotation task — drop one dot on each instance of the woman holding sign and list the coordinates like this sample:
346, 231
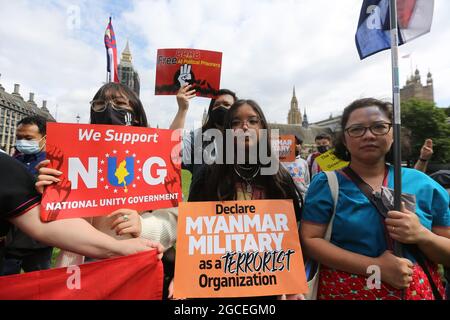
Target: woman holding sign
244, 179
358, 262
194, 155
117, 104
19, 204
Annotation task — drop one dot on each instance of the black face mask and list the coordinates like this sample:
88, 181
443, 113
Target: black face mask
112, 116
323, 149
218, 115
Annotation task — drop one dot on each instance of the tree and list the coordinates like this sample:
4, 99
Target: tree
426, 120
447, 111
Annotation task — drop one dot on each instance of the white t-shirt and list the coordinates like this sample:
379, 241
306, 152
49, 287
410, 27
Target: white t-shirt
299, 172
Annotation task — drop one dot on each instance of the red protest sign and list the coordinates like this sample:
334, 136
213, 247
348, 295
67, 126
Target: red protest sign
176, 67
105, 168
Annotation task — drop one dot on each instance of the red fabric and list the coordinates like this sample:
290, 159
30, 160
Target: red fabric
405, 9
339, 285
134, 277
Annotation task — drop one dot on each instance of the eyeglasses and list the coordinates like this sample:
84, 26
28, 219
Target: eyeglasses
377, 129
252, 122
117, 104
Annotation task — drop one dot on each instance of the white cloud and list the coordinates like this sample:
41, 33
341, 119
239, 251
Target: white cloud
268, 46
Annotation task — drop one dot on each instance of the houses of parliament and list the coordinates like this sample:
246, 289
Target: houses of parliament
298, 124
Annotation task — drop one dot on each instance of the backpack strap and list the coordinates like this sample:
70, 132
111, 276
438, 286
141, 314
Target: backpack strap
334, 188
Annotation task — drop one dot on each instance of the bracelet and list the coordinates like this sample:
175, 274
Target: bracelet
423, 160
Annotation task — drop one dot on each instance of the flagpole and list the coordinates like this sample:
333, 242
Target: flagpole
397, 116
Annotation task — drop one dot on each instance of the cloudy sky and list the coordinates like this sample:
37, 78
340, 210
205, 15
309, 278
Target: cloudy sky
55, 49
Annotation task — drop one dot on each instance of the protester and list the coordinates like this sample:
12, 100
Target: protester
298, 169
361, 237
116, 104
426, 153
323, 143
217, 110
443, 178
23, 252
19, 204
244, 181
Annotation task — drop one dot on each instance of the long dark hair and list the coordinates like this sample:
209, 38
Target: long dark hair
340, 149
209, 122
221, 178
109, 89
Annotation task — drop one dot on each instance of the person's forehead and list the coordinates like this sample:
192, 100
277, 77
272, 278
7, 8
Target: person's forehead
246, 110
366, 115
225, 97
113, 94
28, 128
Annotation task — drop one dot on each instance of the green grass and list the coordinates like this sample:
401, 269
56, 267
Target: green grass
185, 183
54, 255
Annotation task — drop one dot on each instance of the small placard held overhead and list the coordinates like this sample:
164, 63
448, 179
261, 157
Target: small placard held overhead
178, 67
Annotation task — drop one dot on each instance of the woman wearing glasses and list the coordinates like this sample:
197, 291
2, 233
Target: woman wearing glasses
362, 239
244, 179
117, 104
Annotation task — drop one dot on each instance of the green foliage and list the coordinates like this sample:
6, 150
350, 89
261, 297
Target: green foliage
425, 120
185, 183
447, 111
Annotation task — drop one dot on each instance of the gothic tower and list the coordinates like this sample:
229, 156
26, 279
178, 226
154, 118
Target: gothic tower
294, 115
305, 123
126, 72
415, 89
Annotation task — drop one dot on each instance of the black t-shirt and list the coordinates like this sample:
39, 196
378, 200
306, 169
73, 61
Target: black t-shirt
17, 193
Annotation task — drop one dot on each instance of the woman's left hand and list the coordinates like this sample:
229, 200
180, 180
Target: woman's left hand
128, 221
404, 226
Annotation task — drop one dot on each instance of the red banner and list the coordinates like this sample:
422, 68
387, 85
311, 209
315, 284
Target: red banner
176, 67
134, 277
105, 168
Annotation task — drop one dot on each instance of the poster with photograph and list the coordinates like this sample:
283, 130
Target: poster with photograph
178, 67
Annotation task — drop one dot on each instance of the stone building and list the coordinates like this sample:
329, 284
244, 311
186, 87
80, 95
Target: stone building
415, 89
294, 115
300, 127
126, 72
14, 108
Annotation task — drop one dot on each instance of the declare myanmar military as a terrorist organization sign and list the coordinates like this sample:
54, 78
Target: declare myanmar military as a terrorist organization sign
238, 249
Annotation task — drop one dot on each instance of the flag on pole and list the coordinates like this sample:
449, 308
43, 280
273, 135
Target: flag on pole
111, 53
373, 32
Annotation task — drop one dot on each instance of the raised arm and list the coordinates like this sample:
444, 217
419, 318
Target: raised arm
183, 97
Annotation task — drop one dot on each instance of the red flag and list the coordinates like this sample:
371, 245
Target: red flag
134, 277
111, 53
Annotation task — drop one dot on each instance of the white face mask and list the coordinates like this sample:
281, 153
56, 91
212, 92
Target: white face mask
28, 146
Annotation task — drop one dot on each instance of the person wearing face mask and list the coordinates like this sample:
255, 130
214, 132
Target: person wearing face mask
30, 142
117, 104
23, 252
193, 158
323, 143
